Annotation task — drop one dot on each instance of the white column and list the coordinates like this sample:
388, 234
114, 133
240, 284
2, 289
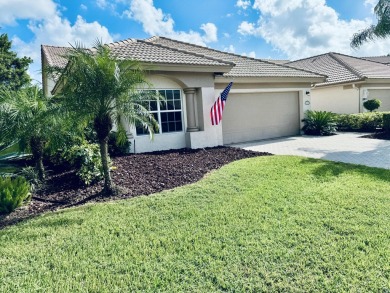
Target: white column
190, 102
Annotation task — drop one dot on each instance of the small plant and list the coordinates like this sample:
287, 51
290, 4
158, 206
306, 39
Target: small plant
13, 192
319, 123
386, 122
372, 105
118, 144
31, 175
86, 158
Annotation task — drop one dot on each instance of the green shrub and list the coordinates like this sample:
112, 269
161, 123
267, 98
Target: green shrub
13, 192
118, 145
31, 175
367, 122
372, 105
319, 123
386, 122
86, 158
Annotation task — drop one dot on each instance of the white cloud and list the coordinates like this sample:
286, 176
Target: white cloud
25, 9
83, 7
251, 54
49, 28
156, 22
246, 28
230, 49
301, 28
244, 4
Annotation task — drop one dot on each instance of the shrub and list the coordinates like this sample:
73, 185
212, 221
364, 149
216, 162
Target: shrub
86, 158
372, 105
13, 192
319, 123
31, 175
368, 122
386, 122
117, 144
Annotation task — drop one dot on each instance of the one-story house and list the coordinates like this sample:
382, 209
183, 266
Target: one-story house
350, 82
267, 100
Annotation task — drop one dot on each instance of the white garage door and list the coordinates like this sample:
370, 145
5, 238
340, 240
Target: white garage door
260, 116
384, 96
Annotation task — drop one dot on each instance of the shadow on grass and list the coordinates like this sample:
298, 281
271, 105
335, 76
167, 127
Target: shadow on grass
327, 169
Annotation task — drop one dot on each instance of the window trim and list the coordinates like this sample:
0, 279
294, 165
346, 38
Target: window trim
159, 111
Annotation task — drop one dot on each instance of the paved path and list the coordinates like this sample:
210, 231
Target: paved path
344, 147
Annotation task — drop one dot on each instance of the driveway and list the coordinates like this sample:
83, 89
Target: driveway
343, 147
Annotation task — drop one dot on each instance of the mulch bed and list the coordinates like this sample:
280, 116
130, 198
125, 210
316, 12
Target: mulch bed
378, 135
140, 174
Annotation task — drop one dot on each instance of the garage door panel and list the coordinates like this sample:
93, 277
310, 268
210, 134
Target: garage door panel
260, 116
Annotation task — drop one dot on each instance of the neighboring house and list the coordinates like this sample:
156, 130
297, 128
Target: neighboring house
350, 82
267, 100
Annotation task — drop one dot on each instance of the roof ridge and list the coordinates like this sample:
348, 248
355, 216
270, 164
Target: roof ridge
307, 58
345, 64
233, 54
187, 52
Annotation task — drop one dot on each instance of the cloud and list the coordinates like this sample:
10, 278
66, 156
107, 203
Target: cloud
301, 28
156, 22
244, 4
83, 7
230, 49
25, 9
251, 54
49, 28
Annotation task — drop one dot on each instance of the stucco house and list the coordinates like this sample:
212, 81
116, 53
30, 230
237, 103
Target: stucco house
267, 100
350, 82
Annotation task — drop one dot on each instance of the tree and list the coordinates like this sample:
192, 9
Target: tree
13, 70
380, 30
372, 105
26, 119
98, 87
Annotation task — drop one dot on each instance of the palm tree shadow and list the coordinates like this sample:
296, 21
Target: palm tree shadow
329, 169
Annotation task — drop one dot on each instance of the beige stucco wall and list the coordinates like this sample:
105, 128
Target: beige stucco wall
335, 99
381, 94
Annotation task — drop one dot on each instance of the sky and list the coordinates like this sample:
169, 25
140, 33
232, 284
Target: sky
268, 29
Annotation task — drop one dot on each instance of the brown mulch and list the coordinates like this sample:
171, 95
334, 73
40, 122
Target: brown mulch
378, 135
140, 174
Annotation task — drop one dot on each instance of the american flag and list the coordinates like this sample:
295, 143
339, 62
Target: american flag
219, 105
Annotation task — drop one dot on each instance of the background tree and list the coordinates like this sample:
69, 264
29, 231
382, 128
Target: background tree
13, 70
380, 30
96, 86
26, 119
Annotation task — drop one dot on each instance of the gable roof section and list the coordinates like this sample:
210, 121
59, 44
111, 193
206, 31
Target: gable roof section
54, 55
165, 51
244, 66
342, 68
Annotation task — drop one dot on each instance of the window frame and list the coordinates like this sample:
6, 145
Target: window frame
159, 111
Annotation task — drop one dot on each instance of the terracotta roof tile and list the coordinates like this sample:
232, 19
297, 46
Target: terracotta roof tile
342, 68
245, 66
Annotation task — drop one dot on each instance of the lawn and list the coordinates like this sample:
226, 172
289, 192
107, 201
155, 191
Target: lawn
261, 224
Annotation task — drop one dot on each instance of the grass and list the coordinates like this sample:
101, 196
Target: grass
263, 224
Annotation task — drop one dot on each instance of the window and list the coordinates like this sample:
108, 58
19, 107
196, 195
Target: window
168, 113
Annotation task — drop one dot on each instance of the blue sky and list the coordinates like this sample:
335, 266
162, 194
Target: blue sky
278, 29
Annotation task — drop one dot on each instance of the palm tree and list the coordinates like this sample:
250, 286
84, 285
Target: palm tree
380, 30
25, 119
98, 87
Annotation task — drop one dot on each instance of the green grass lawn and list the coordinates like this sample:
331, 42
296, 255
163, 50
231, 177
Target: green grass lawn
263, 224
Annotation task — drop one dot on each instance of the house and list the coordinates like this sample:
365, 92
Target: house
350, 82
267, 100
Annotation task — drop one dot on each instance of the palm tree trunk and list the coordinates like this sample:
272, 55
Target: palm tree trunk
37, 144
108, 184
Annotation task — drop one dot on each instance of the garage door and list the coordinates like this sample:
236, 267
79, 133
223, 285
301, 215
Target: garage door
260, 116
384, 96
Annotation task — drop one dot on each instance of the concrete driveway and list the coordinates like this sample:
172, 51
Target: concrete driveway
343, 147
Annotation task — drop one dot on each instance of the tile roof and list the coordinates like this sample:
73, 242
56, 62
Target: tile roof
342, 68
160, 50
380, 59
245, 66
54, 55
